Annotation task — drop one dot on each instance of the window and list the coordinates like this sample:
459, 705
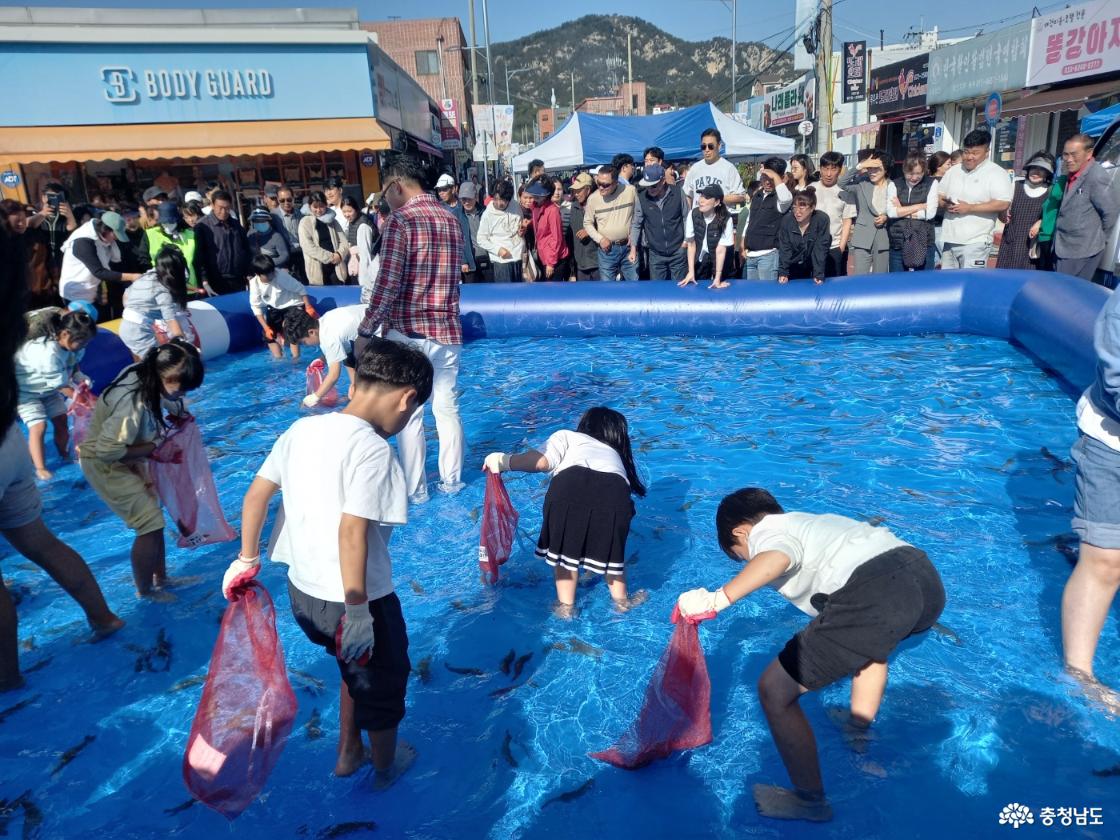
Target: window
427, 63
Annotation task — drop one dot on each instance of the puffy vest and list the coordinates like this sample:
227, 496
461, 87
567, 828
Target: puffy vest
663, 227
186, 243
762, 226
907, 195
713, 232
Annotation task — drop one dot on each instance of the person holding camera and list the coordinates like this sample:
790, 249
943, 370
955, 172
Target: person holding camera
47, 230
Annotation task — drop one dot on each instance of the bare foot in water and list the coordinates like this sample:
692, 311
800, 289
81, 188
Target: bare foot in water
157, 596
178, 582
564, 611
1097, 692
635, 600
856, 735
405, 757
105, 629
780, 803
349, 760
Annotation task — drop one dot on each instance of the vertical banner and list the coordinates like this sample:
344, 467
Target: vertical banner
449, 125
855, 71
494, 127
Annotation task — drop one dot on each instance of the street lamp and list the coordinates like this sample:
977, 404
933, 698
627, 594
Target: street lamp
510, 74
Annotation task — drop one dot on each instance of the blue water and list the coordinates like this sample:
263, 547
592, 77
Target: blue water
941, 437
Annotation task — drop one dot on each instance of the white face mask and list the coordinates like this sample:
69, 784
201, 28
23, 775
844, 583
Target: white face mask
327, 217
170, 227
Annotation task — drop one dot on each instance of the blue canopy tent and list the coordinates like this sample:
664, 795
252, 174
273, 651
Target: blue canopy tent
1095, 124
590, 139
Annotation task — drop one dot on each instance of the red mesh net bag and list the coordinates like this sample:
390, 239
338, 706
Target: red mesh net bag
499, 525
185, 485
676, 714
80, 411
316, 373
247, 707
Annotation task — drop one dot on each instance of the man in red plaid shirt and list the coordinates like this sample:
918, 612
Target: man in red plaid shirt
417, 299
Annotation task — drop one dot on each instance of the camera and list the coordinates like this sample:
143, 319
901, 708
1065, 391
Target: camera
54, 199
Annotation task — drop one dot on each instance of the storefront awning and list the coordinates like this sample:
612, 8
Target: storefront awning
865, 128
185, 140
1063, 99
906, 116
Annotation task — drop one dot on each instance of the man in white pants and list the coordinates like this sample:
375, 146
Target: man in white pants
416, 300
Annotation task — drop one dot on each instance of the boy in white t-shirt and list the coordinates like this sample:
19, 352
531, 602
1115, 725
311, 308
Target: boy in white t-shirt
272, 293
866, 589
334, 333
339, 476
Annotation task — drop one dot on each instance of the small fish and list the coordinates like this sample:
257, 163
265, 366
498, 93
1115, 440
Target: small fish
876, 521
947, 632
155, 659
581, 647
633, 558
189, 682
89, 517
458, 605
80, 484
424, 670
569, 795
470, 672
28, 643
22, 704
507, 660
934, 430
39, 666
178, 809
311, 683
506, 753
475, 512
799, 401
504, 690
342, 829
32, 817
1060, 464
825, 431
312, 727
417, 588
519, 665
913, 493
687, 505
72, 753
1114, 770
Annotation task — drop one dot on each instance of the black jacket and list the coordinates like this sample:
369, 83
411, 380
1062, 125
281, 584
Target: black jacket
223, 249
798, 252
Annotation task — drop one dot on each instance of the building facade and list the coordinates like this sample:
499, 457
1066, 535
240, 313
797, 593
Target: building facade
627, 101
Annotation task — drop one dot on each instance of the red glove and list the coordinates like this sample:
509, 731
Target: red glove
269, 333
310, 310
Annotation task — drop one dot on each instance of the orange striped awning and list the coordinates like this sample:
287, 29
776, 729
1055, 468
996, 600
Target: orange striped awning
160, 141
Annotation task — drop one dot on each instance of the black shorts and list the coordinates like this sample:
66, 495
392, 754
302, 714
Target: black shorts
275, 319
888, 598
378, 687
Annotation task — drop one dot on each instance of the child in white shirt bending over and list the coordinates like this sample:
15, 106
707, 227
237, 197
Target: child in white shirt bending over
272, 292
334, 333
339, 476
866, 590
45, 366
587, 509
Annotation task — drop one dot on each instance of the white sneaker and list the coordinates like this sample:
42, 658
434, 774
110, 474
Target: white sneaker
450, 489
419, 498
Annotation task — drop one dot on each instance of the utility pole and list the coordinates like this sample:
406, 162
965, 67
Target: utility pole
490, 80
572, 74
630, 73
474, 94
734, 43
825, 86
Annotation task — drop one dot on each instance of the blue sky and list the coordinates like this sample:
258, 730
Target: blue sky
690, 19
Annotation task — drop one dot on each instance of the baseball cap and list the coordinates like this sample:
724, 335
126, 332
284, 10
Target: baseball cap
192, 195
538, 190
711, 191
154, 192
652, 174
444, 181
129, 211
168, 213
84, 306
260, 214
468, 190
115, 223
581, 181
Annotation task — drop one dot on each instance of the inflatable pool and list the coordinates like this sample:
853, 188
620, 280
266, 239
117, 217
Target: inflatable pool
1049, 316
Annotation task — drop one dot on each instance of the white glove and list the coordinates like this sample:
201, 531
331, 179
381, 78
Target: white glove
702, 602
239, 567
496, 462
310, 401
357, 633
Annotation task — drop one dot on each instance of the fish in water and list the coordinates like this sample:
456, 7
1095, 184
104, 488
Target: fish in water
22, 704
312, 727
155, 659
507, 660
947, 632
189, 682
519, 665
28, 643
504, 690
570, 795
458, 605
876, 521
39, 666
72, 753
581, 647
633, 558
417, 588
687, 505
506, 753
32, 817
1059, 464
1114, 770
178, 809
913, 493
424, 670
343, 829
475, 513
470, 672
311, 683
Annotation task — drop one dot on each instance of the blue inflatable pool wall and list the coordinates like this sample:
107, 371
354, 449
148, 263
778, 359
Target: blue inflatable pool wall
1049, 316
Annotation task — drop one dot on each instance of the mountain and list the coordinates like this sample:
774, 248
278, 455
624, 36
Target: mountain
677, 72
